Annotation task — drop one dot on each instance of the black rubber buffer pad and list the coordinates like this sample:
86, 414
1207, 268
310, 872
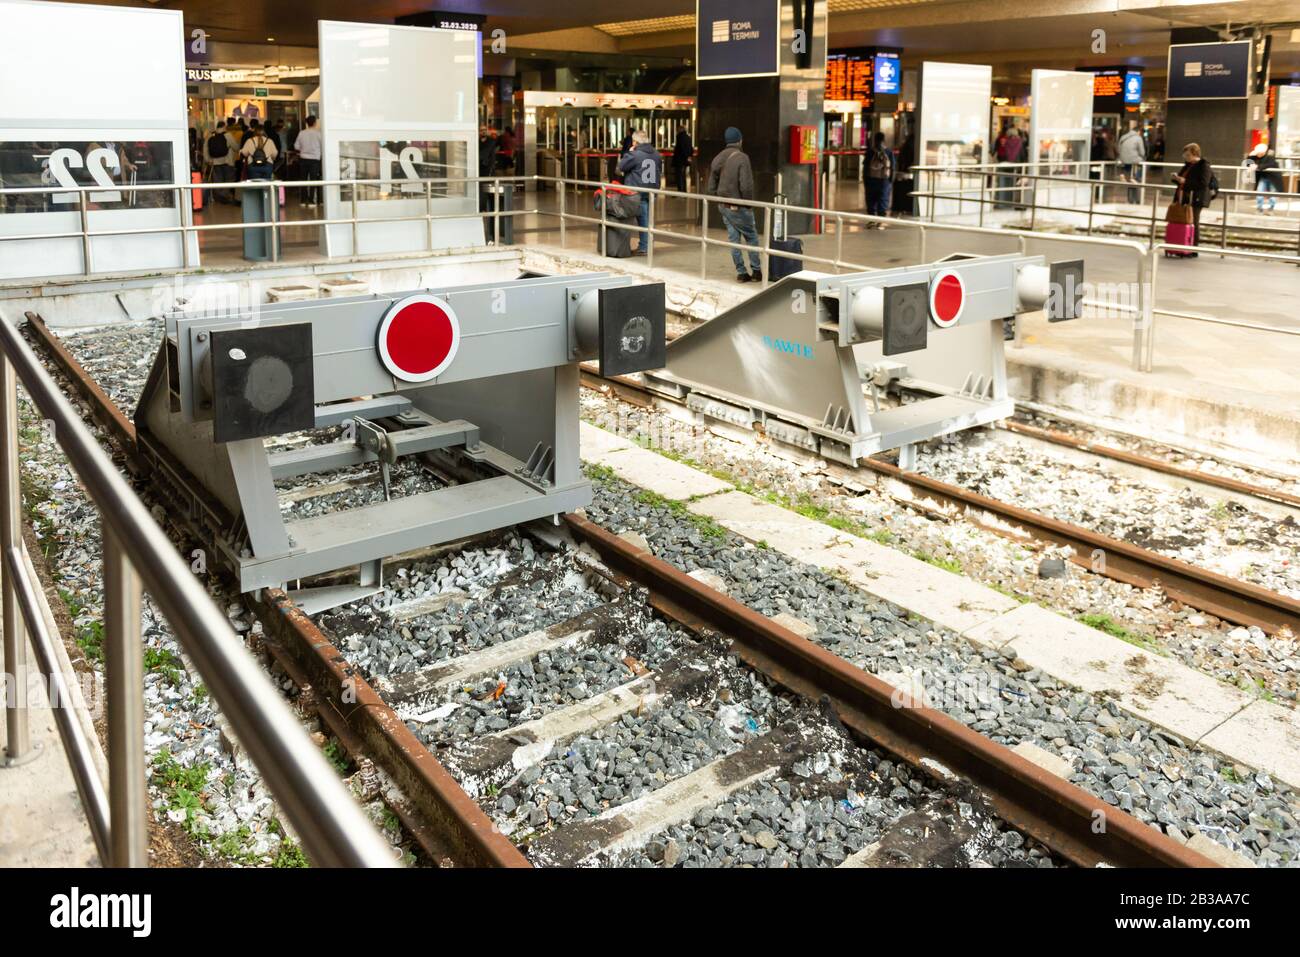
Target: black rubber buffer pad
633, 329
262, 382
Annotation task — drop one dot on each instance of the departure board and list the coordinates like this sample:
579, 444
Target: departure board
1105, 85
849, 77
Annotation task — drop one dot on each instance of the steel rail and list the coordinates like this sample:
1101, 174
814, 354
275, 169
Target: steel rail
333, 830
1152, 464
1240, 602
1059, 814
342, 697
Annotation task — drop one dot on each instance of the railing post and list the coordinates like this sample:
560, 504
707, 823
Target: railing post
19, 747
704, 237
604, 221
1155, 199
1223, 232
767, 241
124, 683
984, 186
839, 241
87, 262
496, 210
1091, 206
184, 205
428, 211
355, 187
273, 216
650, 230
563, 216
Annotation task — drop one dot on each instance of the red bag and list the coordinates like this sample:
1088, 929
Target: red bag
1179, 234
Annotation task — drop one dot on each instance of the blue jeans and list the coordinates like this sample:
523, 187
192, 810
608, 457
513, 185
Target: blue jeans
1265, 185
878, 191
643, 220
740, 228
1132, 171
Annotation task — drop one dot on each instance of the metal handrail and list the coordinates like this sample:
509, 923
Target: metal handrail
1145, 289
136, 552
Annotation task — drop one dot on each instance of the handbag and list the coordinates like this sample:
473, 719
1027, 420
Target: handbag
1179, 212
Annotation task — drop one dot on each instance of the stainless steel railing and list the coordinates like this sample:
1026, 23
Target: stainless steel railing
137, 554
1142, 252
1027, 188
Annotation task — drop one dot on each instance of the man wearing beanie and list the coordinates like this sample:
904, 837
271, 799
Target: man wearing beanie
732, 177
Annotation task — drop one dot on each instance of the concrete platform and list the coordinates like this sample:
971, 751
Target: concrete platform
41, 820
1183, 701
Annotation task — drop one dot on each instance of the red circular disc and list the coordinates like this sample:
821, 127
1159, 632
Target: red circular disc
418, 338
947, 298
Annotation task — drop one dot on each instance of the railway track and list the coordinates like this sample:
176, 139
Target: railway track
718, 711
1228, 598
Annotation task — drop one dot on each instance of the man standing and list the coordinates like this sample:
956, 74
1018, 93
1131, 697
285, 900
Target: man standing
1132, 154
219, 152
642, 166
308, 146
683, 150
879, 178
731, 176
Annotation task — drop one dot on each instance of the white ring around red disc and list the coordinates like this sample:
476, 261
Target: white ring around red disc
947, 298
418, 337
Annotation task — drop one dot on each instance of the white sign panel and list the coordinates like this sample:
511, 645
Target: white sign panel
399, 104
953, 130
1060, 134
91, 96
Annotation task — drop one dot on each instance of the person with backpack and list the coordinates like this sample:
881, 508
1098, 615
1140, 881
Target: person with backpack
731, 176
642, 166
259, 155
1197, 186
881, 168
219, 153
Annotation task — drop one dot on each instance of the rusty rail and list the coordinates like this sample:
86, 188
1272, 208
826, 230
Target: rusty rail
1240, 602
461, 832
1073, 823
1064, 817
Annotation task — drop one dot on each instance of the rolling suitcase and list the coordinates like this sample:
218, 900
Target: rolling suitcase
196, 195
781, 266
1179, 234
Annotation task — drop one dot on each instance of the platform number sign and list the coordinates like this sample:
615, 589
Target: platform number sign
947, 298
102, 164
418, 338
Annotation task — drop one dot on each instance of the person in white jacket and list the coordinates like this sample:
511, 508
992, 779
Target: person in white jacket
1132, 154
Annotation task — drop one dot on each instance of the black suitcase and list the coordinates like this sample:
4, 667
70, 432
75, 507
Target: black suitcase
781, 266
618, 242
901, 199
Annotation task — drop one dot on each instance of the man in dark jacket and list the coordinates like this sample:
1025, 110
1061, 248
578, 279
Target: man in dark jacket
1268, 177
487, 166
731, 176
642, 166
683, 150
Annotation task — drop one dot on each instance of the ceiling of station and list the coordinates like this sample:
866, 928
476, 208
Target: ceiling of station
1013, 35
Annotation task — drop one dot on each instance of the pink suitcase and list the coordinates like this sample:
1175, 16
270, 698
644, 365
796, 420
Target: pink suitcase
1179, 234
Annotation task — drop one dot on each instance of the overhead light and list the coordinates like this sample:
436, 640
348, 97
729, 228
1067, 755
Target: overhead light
270, 39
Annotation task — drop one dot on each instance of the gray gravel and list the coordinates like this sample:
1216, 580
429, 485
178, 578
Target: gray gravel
1120, 759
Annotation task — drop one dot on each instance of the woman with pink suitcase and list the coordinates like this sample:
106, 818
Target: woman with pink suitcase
1196, 190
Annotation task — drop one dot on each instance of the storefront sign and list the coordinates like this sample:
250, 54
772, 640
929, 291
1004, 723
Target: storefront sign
737, 38
1209, 71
